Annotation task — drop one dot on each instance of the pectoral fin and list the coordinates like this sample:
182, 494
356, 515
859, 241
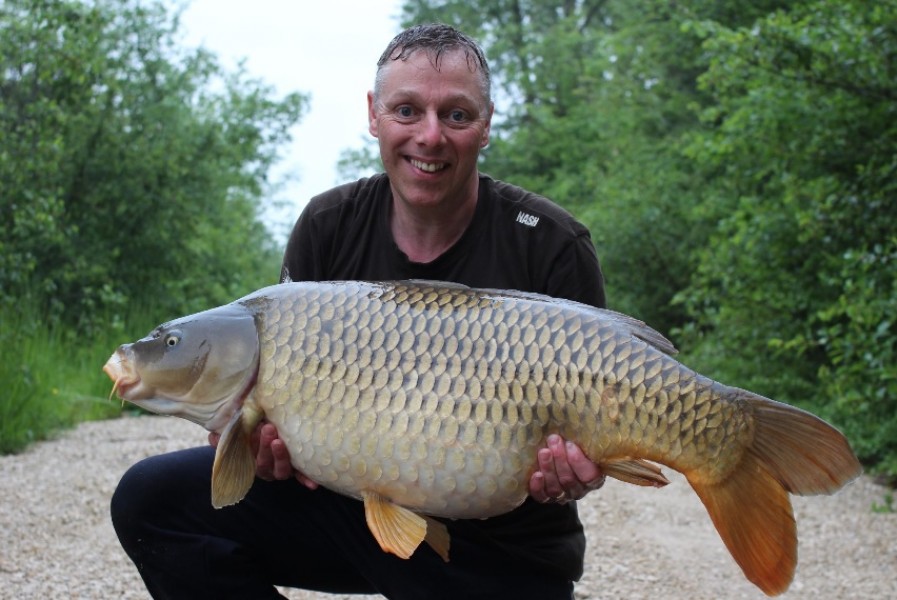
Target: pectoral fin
400, 531
635, 471
234, 468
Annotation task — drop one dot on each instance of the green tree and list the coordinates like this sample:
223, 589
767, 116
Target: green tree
129, 167
801, 273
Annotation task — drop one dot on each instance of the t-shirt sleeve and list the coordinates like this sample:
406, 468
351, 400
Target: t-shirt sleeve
575, 273
298, 258
555, 253
334, 232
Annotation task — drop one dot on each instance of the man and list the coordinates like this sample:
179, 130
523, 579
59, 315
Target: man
432, 215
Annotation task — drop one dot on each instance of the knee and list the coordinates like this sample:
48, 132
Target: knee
133, 497
130, 490
150, 491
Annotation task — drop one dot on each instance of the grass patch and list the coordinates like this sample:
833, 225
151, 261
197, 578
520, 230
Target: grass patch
51, 377
887, 505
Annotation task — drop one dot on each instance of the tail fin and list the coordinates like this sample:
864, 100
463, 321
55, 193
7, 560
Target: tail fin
752, 513
804, 453
792, 451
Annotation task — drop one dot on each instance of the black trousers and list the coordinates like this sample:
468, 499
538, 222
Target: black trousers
285, 534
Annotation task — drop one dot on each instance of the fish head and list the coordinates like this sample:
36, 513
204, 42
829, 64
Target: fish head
200, 367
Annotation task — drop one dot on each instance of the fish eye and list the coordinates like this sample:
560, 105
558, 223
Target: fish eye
172, 339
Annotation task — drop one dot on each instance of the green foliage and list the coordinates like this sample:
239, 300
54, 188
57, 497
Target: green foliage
129, 167
734, 161
52, 376
132, 178
886, 506
857, 330
802, 269
360, 162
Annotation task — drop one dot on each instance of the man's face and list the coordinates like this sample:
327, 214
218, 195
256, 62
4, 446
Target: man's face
431, 126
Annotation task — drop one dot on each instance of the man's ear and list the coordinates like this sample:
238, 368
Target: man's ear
486, 130
372, 115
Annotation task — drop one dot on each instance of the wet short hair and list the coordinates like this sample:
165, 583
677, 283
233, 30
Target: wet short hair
436, 39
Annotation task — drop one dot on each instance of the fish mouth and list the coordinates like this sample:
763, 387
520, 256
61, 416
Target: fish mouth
117, 368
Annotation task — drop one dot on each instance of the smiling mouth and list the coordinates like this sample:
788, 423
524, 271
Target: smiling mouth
428, 167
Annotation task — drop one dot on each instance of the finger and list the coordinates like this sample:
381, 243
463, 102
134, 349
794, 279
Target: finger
537, 486
214, 438
563, 471
576, 473
550, 484
267, 434
586, 472
306, 481
264, 460
282, 468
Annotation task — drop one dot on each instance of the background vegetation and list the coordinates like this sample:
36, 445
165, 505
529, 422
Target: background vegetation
132, 176
734, 161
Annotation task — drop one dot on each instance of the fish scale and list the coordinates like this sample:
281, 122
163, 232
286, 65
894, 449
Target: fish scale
424, 398
445, 376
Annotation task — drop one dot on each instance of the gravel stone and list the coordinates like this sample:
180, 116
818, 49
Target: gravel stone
58, 542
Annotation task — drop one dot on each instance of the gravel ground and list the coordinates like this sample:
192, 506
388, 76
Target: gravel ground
57, 541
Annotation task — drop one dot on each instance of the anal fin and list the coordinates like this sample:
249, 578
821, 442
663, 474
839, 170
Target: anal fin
635, 471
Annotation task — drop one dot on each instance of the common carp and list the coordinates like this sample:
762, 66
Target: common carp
426, 399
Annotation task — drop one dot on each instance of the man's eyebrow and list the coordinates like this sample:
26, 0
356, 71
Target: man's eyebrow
408, 94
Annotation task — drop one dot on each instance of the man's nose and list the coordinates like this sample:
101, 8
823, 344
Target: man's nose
429, 130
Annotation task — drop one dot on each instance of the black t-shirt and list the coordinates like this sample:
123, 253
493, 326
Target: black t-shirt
516, 240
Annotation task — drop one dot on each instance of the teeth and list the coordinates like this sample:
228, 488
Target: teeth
428, 167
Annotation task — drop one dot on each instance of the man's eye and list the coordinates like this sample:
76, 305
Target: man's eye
405, 111
458, 116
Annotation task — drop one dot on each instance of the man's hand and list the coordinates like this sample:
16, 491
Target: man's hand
564, 473
272, 459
